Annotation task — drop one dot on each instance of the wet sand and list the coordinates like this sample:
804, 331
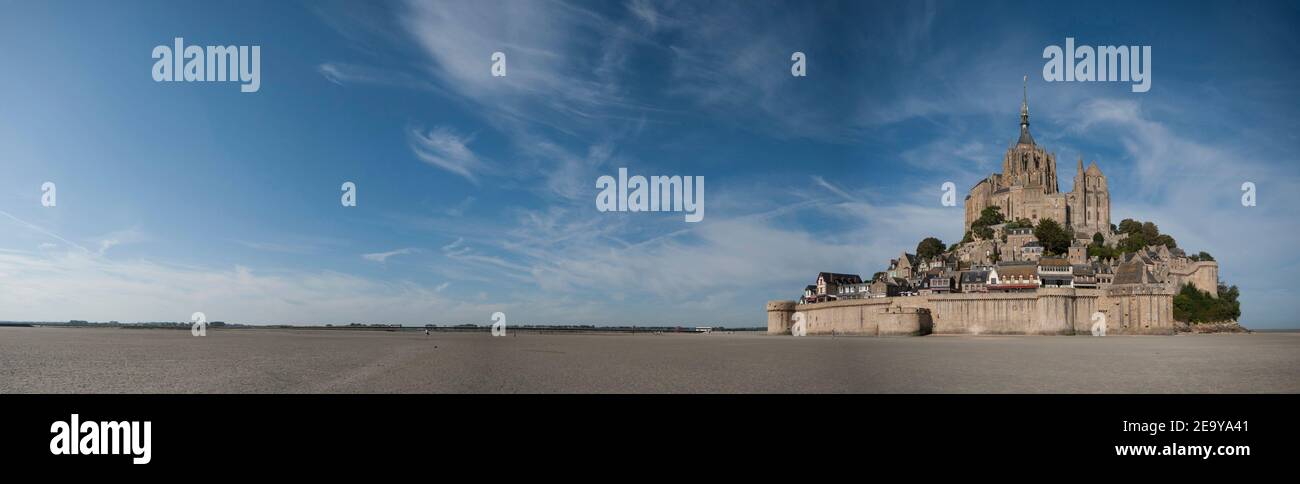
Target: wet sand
106, 360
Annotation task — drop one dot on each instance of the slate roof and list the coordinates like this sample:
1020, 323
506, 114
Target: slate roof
1025, 138
836, 278
1133, 272
1023, 271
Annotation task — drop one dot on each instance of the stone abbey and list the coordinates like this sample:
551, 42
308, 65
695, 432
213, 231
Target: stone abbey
1006, 281
1027, 188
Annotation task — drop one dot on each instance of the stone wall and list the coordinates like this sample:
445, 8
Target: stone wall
869, 317
1139, 309
1204, 275
1128, 309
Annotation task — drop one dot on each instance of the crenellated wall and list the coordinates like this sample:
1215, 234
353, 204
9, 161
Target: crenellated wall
871, 317
1204, 275
1127, 309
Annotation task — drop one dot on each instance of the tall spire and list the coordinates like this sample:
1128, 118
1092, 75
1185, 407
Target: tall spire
1024, 105
1025, 138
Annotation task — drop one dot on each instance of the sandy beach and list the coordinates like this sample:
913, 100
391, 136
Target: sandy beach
107, 360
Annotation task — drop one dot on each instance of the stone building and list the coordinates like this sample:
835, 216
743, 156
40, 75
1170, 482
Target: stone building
1083, 276
828, 283
1030, 252
1027, 188
857, 290
974, 281
889, 287
1173, 268
1014, 276
1006, 284
1017, 238
905, 266
979, 252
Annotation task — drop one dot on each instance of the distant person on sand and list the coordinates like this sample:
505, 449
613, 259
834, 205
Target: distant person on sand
426, 331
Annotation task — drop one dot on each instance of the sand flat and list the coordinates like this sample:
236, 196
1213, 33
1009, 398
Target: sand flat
108, 360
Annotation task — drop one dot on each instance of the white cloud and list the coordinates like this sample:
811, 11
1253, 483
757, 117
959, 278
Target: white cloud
72, 285
382, 257
832, 188
344, 74
128, 236
544, 79
459, 209
444, 148
43, 231
646, 11
1191, 188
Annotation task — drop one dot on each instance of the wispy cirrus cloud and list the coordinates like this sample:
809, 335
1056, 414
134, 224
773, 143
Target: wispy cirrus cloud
80, 286
382, 257
120, 237
545, 84
444, 148
344, 74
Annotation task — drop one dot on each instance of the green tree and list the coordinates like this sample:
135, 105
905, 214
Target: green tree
1166, 240
929, 247
1055, 239
990, 216
1103, 252
1129, 226
1133, 243
1150, 231
1195, 306
1099, 249
1020, 223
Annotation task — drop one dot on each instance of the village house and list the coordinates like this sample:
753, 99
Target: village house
829, 282
975, 281
889, 287
1055, 272
828, 286
1030, 252
1084, 276
1078, 252
1105, 273
860, 290
937, 281
1134, 271
809, 294
1014, 277
905, 266
1017, 238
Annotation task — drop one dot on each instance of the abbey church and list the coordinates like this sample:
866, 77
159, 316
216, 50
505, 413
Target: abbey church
1027, 188
1006, 281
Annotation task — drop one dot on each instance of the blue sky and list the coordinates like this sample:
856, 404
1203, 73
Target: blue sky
476, 194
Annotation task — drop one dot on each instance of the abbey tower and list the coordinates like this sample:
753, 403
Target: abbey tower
1027, 188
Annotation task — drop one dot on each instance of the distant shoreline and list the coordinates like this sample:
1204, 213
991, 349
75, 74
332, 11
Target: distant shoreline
394, 327
446, 328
